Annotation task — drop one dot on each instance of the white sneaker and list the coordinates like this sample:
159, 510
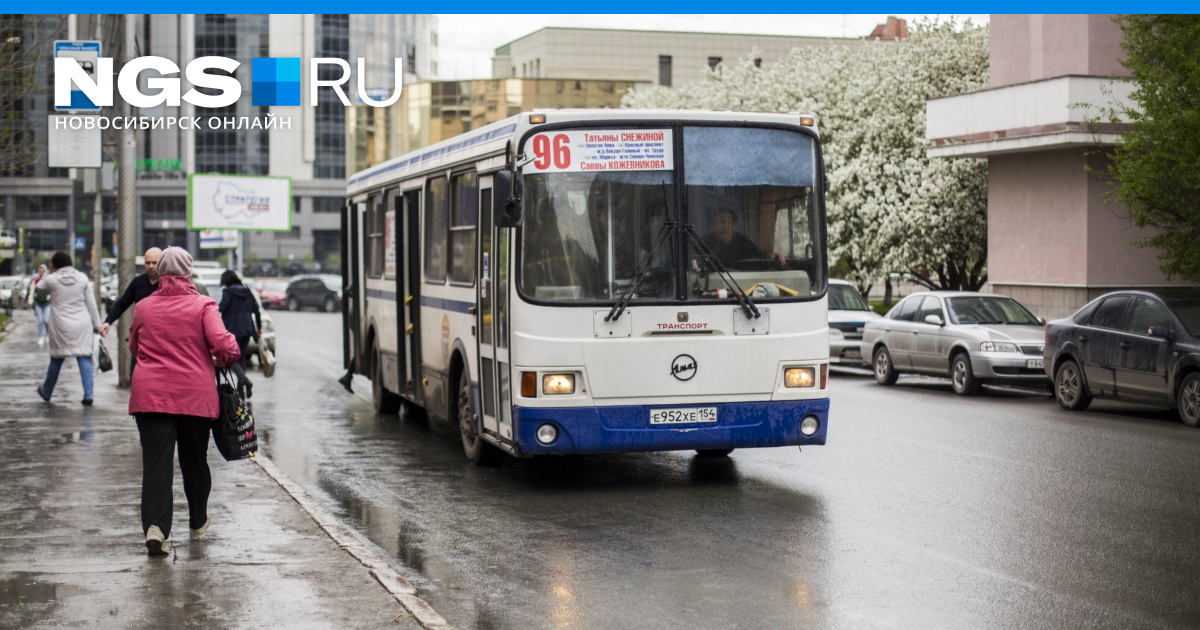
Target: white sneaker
41, 341
197, 534
156, 543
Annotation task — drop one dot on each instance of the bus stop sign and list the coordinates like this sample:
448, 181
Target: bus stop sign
88, 55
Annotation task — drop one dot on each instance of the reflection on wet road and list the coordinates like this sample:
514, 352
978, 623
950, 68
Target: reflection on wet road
925, 510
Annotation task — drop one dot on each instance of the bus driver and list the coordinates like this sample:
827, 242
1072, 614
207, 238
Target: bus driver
732, 247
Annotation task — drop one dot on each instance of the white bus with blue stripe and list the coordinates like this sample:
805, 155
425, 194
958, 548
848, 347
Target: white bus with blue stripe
588, 281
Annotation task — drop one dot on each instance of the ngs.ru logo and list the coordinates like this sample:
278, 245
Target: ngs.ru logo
274, 81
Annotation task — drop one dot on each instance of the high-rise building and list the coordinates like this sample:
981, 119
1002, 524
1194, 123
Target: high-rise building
46, 205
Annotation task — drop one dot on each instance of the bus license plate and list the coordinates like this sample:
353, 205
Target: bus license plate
1034, 364
683, 416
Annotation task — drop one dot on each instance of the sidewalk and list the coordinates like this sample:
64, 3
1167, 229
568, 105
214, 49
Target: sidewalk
72, 551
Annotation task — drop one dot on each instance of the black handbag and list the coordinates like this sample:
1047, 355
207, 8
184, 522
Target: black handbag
104, 360
233, 430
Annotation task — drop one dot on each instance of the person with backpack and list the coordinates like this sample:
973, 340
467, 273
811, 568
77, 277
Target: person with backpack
237, 308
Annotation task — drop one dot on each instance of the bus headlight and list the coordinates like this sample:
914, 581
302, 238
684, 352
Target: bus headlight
557, 384
546, 433
809, 425
799, 377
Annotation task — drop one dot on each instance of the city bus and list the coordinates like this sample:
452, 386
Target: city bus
597, 281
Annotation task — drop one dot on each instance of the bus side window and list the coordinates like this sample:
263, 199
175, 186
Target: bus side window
464, 210
435, 229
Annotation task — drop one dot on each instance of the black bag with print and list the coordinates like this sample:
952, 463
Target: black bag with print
233, 430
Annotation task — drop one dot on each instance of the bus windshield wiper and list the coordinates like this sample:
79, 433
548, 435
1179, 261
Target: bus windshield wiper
713, 262
618, 307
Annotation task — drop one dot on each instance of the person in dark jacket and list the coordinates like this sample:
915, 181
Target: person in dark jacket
237, 308
139, 288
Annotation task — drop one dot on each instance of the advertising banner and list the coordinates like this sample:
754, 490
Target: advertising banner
242, 202
218, 239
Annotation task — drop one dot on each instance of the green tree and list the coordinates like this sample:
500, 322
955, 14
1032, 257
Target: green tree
24, 40
1156, 169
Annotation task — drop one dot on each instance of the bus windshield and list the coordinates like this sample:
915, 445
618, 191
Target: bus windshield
748, 201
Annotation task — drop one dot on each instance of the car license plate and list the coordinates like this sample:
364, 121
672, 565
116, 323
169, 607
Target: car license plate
851, 354
683, 416
1035, 363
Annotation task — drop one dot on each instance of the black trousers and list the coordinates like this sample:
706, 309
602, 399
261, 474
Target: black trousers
159, 433
239, 366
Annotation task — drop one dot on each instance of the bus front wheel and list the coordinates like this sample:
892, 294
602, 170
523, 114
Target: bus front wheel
474, 446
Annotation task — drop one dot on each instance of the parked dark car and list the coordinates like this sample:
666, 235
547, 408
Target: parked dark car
320, 291
1136, 346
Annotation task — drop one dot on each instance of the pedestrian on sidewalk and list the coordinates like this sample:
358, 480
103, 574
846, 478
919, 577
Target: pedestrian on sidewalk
73, 322
41, 306
139, 288
178, 339
240, 314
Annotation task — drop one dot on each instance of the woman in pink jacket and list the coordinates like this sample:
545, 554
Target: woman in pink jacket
176, 335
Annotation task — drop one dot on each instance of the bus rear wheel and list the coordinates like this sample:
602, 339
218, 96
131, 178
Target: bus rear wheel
475, 447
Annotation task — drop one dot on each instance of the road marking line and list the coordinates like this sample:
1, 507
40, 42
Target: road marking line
392, 582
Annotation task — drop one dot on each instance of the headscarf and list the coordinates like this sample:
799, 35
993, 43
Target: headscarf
175, 261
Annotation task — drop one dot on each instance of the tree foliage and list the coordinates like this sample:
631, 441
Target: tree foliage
1157, 168
23, 40
891, 207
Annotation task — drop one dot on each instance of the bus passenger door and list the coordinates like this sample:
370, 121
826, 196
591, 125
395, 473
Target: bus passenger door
408, 295
490, 317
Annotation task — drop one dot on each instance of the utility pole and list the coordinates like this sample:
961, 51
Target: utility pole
97, 219
127, 211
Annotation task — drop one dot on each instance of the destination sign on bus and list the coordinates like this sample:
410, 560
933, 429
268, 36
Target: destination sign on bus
600, 150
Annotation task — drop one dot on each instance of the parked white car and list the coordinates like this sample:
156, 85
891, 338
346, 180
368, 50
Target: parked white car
973, 338
848, 315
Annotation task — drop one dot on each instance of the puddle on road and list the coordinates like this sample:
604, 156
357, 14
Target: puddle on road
27, 589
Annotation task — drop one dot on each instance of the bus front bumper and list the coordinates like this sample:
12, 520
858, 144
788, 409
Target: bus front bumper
628, 428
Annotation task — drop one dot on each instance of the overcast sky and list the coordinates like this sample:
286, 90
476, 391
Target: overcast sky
466, 42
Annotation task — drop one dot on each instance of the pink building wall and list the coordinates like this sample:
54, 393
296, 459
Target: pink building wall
1034, 47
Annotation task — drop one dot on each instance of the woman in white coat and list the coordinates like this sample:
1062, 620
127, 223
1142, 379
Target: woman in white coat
73, 322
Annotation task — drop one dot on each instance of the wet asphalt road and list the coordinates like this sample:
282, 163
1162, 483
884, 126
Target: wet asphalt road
925, 510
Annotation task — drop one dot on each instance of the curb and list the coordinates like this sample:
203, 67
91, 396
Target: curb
379, 568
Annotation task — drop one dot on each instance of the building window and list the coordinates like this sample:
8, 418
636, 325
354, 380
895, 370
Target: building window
158, 209
713, 62
327, 205
295, 205
333, 41
464, 210
41, 208
664, 69
227, 150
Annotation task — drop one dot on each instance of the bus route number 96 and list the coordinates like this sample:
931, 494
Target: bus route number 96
549, 150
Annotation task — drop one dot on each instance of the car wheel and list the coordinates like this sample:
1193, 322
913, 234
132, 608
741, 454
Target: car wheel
293, 304
885, 372
713, 452
1188, 402
1069, 389
962, 376
386, 402
478, 450
330, 305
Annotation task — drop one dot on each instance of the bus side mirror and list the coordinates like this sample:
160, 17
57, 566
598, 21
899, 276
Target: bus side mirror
506, 199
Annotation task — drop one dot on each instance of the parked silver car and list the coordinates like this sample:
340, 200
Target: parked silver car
973, 338
848, 315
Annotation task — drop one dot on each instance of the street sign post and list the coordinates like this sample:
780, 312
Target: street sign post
87, 53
